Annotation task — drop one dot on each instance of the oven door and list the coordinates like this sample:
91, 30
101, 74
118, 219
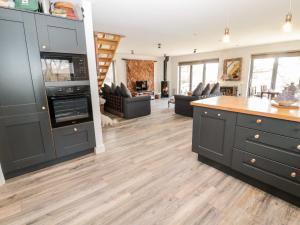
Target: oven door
68, 110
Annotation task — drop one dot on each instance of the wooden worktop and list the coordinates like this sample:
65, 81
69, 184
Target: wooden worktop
252, 106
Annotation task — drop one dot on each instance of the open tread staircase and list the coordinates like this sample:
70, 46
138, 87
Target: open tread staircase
106, 45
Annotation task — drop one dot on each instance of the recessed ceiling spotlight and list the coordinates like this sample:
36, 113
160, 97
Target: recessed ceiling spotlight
132, 52
288, 25
195, 50
159, 45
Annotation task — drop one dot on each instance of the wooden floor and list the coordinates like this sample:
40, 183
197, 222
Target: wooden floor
148, 176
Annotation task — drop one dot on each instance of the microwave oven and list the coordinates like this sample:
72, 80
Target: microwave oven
58, 67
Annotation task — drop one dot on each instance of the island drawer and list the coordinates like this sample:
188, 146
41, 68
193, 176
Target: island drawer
272, 146
273, 173
283, 127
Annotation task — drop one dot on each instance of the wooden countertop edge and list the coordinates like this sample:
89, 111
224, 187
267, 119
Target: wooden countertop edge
249, 112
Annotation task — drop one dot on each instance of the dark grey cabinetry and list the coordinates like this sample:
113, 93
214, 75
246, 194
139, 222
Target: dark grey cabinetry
21, 84
60, 35
213, 134
25, 133
263, 148
72, 139
25, 141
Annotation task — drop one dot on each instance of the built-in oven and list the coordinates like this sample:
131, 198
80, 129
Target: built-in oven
59, 67
69, 105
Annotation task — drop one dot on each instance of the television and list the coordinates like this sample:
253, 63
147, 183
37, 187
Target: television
141, 85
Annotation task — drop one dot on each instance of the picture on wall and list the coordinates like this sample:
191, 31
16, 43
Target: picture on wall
232, 69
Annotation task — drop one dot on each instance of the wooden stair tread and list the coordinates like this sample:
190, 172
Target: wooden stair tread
105, 49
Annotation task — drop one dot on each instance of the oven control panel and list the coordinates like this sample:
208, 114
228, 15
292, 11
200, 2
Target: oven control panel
68, 90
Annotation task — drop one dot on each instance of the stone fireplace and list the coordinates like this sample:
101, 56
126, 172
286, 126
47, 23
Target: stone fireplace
229, 90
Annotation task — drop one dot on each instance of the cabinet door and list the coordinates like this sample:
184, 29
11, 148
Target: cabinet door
25, 141
213, 134
76, 138
21, 83
60, 35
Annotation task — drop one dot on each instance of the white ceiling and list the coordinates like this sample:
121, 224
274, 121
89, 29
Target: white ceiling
183, 25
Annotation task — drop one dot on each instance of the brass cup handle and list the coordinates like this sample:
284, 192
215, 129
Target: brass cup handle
293, 174
298, 147
253, 161
256, 136
258, 121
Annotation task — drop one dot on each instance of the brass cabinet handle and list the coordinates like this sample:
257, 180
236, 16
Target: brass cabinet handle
293, 174
205, 112
44, 46
298, 147
43, 107
253, 161
75, 129
219, 114
256, 136
258, 121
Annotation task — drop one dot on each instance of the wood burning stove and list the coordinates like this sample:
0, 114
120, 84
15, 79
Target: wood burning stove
165, 83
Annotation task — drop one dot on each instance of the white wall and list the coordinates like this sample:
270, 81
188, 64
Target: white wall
244, 52
121, 73
89, 35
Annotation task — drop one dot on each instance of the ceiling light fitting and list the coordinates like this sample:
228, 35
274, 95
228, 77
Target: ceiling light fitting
226, 37
288, 25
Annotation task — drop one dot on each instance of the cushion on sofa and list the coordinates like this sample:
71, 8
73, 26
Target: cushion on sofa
118, 91
206, 90
125, 92
215, 89
198, 90
106, 89
113, 88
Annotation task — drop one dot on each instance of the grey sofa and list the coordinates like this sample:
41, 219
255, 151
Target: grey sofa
128, 107
136, 106
183, 103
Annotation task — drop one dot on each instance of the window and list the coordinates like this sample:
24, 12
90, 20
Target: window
274, 72
110, 75
193, 73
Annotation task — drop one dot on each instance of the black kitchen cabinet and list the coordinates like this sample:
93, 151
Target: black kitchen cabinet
213, 134
60, 35
21, 84
25, 141
72, 139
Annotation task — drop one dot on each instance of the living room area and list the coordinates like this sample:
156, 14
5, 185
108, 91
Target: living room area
150, 112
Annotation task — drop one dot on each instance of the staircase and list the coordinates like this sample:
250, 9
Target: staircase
106, 46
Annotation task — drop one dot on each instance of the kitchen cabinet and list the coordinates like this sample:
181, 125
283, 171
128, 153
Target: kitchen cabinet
263, 143
213, 134
21, 83
60, 35
25, 132
25, 141
72, 139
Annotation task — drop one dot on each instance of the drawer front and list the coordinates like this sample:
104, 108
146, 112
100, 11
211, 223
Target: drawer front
283, 127
273, 173
272, 146
72, 139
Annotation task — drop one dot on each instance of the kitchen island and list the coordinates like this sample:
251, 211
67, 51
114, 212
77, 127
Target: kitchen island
252, 138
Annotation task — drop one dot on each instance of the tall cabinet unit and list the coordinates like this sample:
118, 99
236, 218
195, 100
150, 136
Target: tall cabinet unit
25, 132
